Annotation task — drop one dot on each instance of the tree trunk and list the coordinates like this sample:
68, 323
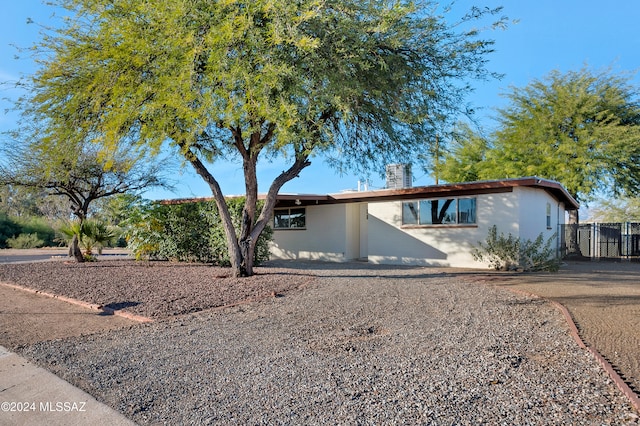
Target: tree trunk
246, 242
247, 251
250, 229
235, 254
573, 246
242, 249
74, 249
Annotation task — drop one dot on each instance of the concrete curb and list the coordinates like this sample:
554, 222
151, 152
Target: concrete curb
633, 398
92, 306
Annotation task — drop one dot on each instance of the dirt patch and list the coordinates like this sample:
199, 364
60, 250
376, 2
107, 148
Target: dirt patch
26, 318
604, 300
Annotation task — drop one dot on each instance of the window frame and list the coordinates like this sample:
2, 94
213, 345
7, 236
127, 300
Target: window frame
411, 208
288, 211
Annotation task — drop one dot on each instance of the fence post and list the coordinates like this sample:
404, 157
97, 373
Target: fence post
595, 249
627, 238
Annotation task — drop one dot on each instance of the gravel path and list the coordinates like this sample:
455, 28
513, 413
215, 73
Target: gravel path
358, 346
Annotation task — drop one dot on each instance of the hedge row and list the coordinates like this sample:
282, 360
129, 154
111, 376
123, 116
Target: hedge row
190, 232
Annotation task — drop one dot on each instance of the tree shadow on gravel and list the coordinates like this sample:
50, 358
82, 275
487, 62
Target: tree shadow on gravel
118, 306
367, 270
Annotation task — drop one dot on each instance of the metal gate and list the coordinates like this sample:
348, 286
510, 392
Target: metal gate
602, 240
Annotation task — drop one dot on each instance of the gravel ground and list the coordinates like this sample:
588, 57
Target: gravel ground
604, 301
362, 345
151, 289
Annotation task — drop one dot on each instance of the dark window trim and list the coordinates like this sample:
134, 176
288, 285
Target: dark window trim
290, 228
436, 226
440, 225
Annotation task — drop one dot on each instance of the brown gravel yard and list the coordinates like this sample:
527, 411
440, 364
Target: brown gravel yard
334, 340
155, 290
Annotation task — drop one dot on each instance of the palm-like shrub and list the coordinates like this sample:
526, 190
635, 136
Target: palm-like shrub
91, 235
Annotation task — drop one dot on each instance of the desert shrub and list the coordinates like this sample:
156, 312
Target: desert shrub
39, 226
12, 227
93, 235
25, 241
97, 235
509, 253
189, 232
9, 228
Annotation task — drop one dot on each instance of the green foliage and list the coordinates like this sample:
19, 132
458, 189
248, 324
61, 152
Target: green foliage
190, 232
11, 228
25, 241
114, 211
620, 210
466, 158
77, 170
355, 78
20, 201
510, 253
96, 234
93, 234
581, 129
39, 226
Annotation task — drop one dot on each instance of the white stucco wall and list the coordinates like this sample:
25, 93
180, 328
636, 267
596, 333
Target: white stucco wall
328, 235
533, 214
374, 231
391, 243
355, 216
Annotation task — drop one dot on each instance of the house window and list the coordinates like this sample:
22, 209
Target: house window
466, 210
289, 218
444, 211
548, 216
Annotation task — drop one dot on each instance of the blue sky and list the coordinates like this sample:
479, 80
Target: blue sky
548, 35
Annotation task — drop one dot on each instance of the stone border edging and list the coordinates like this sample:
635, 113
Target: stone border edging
633, 398
92, 306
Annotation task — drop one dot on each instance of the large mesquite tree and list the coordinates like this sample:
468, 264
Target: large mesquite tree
361, 81
79, 173
580, 128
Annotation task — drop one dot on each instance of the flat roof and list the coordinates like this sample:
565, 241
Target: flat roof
431, 191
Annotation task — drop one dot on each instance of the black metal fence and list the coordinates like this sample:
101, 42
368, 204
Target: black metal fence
601, 240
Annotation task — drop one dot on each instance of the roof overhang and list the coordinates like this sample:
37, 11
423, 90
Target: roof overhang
432, 191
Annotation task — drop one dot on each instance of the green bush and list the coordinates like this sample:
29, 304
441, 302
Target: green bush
96, 234
8, 229
25, 241
12, 227
93, 234
512, 254
190, 232
40, 226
